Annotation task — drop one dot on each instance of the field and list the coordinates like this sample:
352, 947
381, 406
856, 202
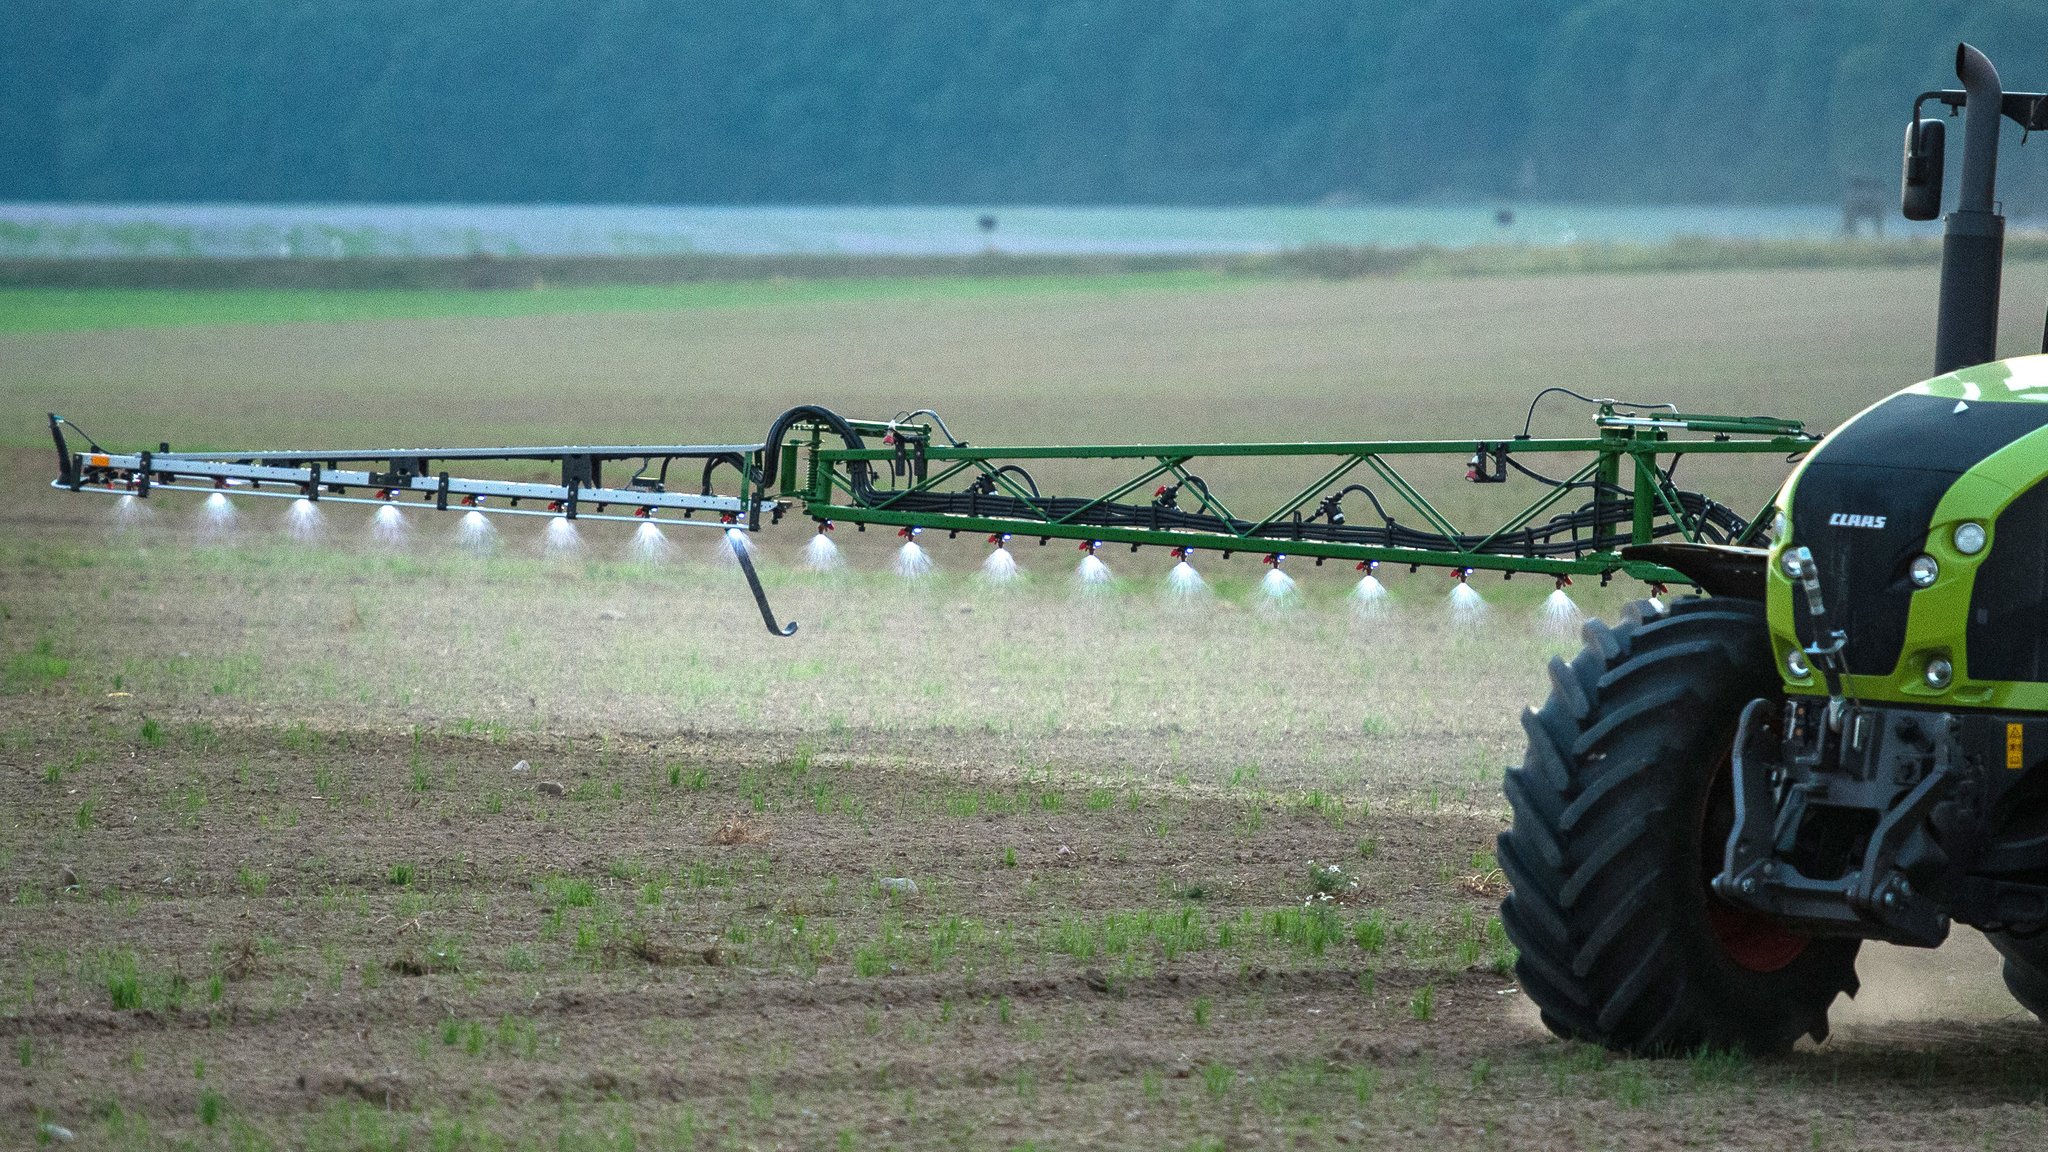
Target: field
349, 847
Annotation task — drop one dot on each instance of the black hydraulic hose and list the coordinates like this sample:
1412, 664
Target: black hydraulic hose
1530, 419
1015, 470
1571, 533
771, 450
1348, 489
1532, 474
907, 417
732, 460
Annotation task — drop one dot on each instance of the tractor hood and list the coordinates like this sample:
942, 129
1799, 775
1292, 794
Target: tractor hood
1894, 484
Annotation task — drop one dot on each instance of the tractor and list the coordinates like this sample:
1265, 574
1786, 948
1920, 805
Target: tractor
1847, 738
1843, 736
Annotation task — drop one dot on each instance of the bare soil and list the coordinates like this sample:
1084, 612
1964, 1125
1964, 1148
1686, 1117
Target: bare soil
272, 877
352, 938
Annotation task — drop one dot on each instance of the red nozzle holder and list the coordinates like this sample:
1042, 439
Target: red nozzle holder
728, 518
1182, 552
387, 494
1273, 558
999, 539
1459, 574
908, 533
220, 482
643, 512
554, 505
1089, 546
1368, 566
1658, 589
824, 526
1563, 582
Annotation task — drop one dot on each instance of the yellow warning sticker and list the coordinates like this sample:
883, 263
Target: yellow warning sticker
2015, 746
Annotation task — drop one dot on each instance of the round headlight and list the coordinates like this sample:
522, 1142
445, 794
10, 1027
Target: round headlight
1780, 527
1923, 571
1969, 537
1940, 672
1795, 663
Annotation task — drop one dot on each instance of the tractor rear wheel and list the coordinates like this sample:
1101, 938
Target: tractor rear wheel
2026, 969
1621, 811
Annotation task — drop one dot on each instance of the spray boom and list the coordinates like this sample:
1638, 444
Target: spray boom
1582, 518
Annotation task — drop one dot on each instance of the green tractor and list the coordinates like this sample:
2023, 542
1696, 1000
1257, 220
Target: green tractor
1847, 739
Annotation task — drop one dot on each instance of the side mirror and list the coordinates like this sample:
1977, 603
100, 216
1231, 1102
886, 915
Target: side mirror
1920, 187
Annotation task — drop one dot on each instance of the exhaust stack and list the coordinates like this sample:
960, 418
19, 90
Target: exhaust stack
1973, 240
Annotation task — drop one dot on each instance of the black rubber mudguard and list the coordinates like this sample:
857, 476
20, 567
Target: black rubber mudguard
1719, 569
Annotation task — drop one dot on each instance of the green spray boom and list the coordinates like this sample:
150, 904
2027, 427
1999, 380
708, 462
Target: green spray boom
1611, 507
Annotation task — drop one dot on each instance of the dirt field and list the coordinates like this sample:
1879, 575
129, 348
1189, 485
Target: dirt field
337, 847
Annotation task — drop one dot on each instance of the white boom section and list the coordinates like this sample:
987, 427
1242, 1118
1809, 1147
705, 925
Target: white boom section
122, 473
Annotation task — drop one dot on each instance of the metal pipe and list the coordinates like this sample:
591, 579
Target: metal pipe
1980, 129
1973, 239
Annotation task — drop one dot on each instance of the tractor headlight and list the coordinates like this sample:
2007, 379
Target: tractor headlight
1940, 672
1923, 571
1796, 665
1780, 527
1969, 538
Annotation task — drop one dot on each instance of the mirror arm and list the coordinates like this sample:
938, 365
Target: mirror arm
2029, 110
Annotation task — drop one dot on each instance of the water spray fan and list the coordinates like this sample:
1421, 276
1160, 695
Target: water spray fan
911, 474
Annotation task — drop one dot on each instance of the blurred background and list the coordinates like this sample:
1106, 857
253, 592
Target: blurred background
269, 127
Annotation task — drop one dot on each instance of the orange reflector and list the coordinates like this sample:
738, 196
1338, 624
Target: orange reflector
99, 461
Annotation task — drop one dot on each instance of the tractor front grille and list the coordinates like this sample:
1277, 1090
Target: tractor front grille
1864, 503
2007, 636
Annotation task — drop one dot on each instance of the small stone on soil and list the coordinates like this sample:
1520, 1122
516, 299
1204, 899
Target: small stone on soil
552, 788
521, 766
57, 1132
66, 878
611, 614
899, 886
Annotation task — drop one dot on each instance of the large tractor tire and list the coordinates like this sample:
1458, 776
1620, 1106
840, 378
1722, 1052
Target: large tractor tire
1622, 808
2026, 969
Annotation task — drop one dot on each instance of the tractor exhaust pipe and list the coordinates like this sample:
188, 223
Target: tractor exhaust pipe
1973, 240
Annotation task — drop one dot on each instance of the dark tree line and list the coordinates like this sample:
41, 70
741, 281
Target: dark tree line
993, 101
